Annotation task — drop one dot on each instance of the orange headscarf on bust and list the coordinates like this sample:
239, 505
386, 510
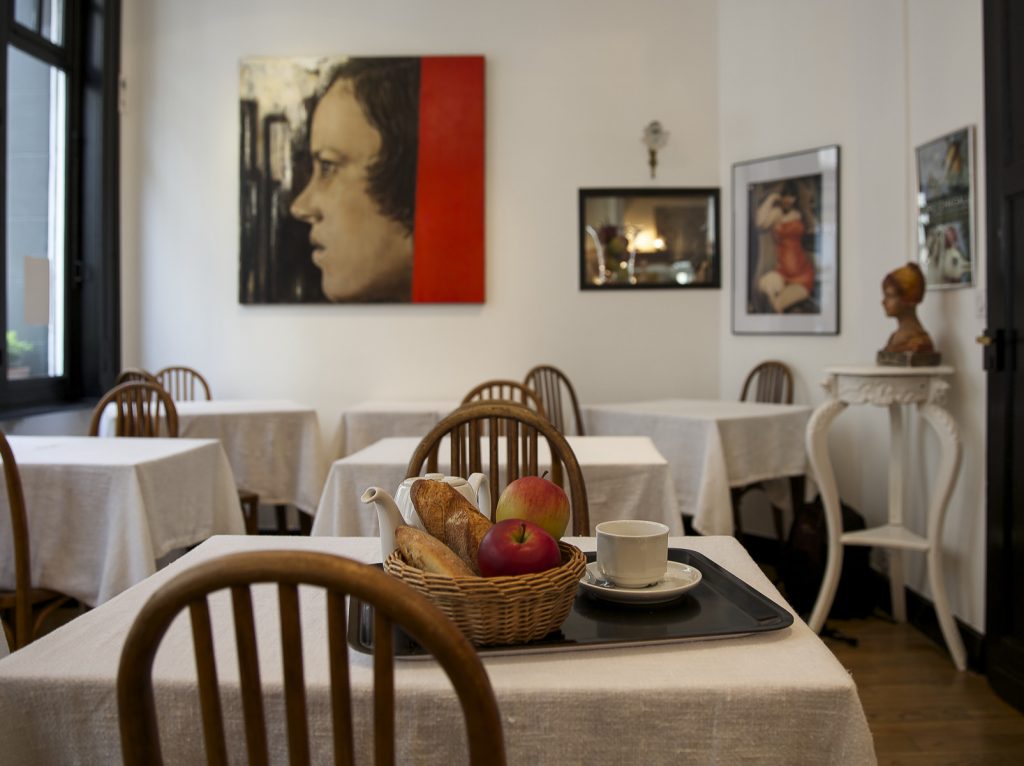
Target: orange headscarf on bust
908, 281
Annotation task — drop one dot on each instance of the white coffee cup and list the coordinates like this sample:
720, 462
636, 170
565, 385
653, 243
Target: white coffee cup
632, 553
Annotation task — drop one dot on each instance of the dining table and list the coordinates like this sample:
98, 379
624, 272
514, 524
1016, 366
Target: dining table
625, 476
102, 512
274, 446
760, 698
714, 445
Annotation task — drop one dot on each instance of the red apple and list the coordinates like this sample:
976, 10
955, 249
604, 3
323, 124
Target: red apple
534, 498
515, 547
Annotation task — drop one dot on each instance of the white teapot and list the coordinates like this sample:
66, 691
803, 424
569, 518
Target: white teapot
392, 512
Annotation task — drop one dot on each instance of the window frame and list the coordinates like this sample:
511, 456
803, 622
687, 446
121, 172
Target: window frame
90, 59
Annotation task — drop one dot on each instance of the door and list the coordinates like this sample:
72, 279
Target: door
1004, 132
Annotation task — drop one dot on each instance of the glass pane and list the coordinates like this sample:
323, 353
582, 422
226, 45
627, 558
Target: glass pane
46, 17
36, 131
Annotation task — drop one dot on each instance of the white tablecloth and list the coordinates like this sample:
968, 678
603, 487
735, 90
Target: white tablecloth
625, 476
774, 698
712, 446
368, 422
274, 447
102, 511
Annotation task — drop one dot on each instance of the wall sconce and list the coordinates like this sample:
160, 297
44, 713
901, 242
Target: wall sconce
655, 138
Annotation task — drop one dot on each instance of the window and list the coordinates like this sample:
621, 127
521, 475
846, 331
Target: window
60, 298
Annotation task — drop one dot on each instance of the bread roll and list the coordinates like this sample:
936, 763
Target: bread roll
428, 553
451, 518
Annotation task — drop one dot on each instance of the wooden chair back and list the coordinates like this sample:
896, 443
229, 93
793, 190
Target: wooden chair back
139, 406
558, 397
184, 384
394, 603
23, 601
473, 424
129, 374
769, 382
505, 391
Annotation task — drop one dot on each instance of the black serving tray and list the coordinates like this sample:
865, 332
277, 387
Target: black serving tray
720, 606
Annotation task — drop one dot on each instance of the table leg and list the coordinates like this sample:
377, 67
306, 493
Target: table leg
949, 439
817, 453
897, 452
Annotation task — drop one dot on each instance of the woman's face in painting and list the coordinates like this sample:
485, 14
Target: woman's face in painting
362, 254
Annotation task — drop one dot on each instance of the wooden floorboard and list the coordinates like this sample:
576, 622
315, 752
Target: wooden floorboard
921, 710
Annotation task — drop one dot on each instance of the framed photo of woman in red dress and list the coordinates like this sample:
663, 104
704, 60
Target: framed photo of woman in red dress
786, 244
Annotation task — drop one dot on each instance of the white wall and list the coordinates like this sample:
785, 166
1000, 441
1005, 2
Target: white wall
876, 77
570, 86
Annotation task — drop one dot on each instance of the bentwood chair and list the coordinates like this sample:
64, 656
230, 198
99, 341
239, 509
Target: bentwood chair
142, 409
520, 429
558, 396
129, 374
508, 391
25, 608
184, 384
769, 382
394, 603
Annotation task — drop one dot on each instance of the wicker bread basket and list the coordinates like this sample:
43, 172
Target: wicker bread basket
500, 610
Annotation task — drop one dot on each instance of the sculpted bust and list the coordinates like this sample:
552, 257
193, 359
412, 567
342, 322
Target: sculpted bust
902, 290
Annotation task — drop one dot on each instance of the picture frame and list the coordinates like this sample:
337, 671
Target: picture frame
649, 238
785, 217
945, 209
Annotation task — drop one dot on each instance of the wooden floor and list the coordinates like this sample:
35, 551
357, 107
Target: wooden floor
920, 709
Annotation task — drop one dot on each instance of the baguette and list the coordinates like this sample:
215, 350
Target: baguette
451, 518
428, 553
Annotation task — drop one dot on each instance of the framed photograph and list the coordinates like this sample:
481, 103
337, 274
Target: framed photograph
362, 179
945, 209
648, 238
786, 244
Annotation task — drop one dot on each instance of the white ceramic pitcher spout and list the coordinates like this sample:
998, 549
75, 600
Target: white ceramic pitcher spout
388, 518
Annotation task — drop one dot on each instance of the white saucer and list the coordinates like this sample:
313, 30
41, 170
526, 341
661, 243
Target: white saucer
678, 579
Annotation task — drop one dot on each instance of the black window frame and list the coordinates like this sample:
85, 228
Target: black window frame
90, 56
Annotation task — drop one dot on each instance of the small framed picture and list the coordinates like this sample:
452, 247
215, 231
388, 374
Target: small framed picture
786, 244
648, 238
945, 209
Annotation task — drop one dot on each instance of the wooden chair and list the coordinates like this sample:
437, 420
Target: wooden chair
138, 405
507, 391
394, 603
129, 374
471, 423
769, 382
29, 606
184, 384
557, 395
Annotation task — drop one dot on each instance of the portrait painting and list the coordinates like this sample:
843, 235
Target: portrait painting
362, 180
786, 246
945, 215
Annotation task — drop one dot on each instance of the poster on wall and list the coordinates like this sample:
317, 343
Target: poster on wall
786, 244
945, 209
362, 180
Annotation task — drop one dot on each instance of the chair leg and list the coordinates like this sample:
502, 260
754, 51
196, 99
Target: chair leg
305, 524
736, 493
777, 518
281, 511
250, 502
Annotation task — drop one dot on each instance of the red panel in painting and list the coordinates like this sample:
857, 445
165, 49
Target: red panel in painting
448, 262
